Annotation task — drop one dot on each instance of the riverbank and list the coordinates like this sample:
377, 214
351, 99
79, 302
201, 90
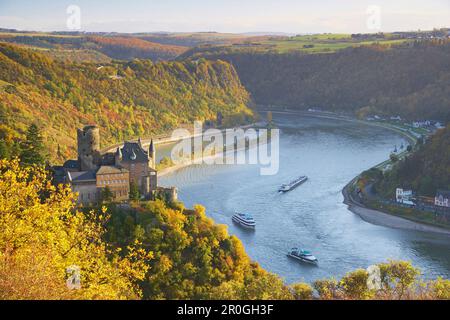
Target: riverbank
385, 219
167, 138
370, 215
174, 168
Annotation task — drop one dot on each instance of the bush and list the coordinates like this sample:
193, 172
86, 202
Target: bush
302, 291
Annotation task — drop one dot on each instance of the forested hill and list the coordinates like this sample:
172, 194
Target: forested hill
425, 171
410, 80
126, 99
115, 47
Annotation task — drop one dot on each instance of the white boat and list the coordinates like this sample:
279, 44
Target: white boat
293, 184
302, 255
244, 219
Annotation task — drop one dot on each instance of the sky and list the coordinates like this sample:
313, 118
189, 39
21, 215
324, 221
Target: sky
234, 16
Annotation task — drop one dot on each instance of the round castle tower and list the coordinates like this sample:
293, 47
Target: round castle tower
89, 148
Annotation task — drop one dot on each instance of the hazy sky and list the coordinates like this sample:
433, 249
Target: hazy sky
292, 16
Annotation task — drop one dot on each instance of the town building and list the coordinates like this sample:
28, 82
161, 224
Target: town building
442, 199
94, 171
404, 196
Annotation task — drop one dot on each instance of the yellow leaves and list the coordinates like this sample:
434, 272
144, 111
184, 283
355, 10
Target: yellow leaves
441, 289
354, 285
42, 233
302, 291
165, 264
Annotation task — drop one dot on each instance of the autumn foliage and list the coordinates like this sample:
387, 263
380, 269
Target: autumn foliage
125, 99
151, 250
42, 235
411, 80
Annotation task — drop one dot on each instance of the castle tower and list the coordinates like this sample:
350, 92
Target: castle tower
89, 148
152, 155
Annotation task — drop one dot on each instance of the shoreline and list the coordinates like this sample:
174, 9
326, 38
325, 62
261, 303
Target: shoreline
388, 220
167, 138
369, 215
173, 169
372, 216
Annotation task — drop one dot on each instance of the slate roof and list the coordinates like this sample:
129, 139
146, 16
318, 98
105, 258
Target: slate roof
133, 152
71, 164
82, 176
108, 159
110, 170
444, 193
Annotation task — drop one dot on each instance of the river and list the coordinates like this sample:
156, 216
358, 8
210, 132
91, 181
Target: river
330, 153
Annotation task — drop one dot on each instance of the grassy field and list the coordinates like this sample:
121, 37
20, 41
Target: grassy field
317, 43
323, 43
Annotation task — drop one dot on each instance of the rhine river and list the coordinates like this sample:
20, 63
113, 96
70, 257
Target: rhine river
330, 153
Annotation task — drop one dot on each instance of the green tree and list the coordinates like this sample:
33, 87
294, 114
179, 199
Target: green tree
393, 157
5, 151
32, 151
134, 191
106, 195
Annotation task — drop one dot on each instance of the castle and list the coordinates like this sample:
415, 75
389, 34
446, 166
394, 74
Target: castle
128, 165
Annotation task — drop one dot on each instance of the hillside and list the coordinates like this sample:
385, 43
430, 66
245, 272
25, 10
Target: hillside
127, 48
412, 80
123, 47
126, 99
425, 171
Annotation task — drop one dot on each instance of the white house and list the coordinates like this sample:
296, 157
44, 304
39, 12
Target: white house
421, 124
404, 196
442, 199
439, 125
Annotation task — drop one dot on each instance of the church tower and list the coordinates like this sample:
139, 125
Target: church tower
89, 148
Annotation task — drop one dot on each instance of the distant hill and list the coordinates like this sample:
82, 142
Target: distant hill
412, 80
205, 38
126, 99
127, 48
115, 47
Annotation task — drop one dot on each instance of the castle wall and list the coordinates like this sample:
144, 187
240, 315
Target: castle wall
87, 192
118, 183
